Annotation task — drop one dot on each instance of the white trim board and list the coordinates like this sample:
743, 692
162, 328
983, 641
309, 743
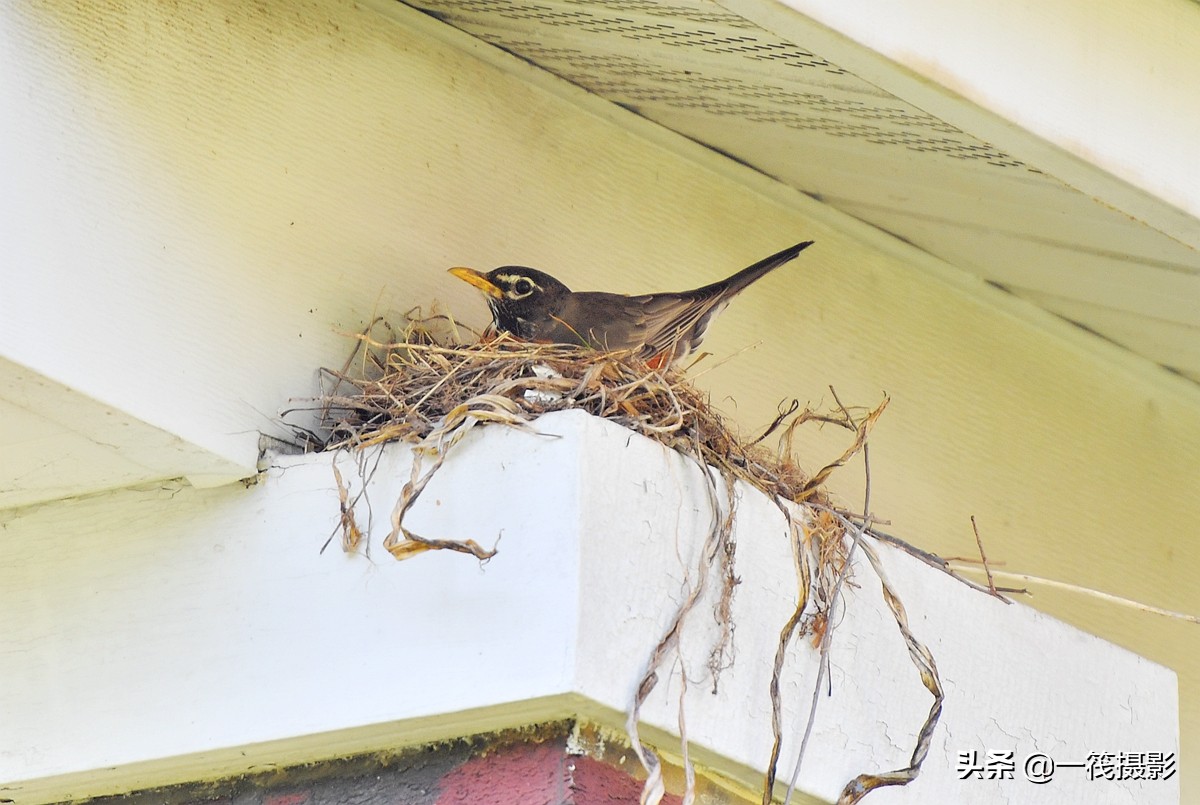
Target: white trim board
59, 442
1080, 86
179, 624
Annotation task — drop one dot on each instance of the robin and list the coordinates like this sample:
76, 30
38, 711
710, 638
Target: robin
660, 328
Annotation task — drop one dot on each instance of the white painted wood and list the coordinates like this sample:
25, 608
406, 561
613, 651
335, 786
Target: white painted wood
1097, 83
1157, 291
1056, 217
56, 442
185, 625
1170, 344
290, 170
187, 622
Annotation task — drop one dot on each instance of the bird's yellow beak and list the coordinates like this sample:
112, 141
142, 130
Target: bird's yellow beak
478, 280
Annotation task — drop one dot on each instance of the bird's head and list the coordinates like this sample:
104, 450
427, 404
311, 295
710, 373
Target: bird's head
521, 299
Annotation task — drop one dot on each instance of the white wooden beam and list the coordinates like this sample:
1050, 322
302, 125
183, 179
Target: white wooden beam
1078, 88
1173, 344
197, 633
57, 442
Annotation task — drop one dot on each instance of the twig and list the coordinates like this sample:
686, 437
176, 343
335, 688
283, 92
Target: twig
654, 787
864, 784
861, 430
689, 772
931, 559
351, 534
827, 636
1109, 597
792, 408
785, 638
722, 362
983, 556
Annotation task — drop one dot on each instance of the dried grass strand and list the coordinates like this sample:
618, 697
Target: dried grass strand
1024, 578
922, 658
718, 535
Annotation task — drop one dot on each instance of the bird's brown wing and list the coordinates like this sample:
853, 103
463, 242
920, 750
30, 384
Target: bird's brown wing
675, 323
603, 321
651, 324
659, 323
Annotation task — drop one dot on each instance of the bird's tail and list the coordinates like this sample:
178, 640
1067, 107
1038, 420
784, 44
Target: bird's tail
730, 286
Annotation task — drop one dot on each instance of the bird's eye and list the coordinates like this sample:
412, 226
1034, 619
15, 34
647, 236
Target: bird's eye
522, 287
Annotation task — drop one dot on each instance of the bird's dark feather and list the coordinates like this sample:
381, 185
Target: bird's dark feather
652, 324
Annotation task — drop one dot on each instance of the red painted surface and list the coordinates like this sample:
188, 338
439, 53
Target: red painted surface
539, 774
594, 782
526, 774
294, 798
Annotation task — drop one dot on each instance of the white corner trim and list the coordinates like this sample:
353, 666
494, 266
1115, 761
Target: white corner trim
1111, 85
59, 442
185, 624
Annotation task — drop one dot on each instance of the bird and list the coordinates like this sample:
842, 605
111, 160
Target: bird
659, 328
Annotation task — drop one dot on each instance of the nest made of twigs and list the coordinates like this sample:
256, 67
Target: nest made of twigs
411, 387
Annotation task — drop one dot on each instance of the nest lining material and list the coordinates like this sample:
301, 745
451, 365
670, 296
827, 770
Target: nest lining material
424, 387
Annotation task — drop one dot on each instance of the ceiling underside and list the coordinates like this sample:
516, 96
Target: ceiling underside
721, 80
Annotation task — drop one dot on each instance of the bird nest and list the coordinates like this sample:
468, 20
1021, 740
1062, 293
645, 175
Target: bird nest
423, 386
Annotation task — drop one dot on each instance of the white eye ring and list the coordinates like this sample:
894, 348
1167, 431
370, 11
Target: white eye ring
523, 287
